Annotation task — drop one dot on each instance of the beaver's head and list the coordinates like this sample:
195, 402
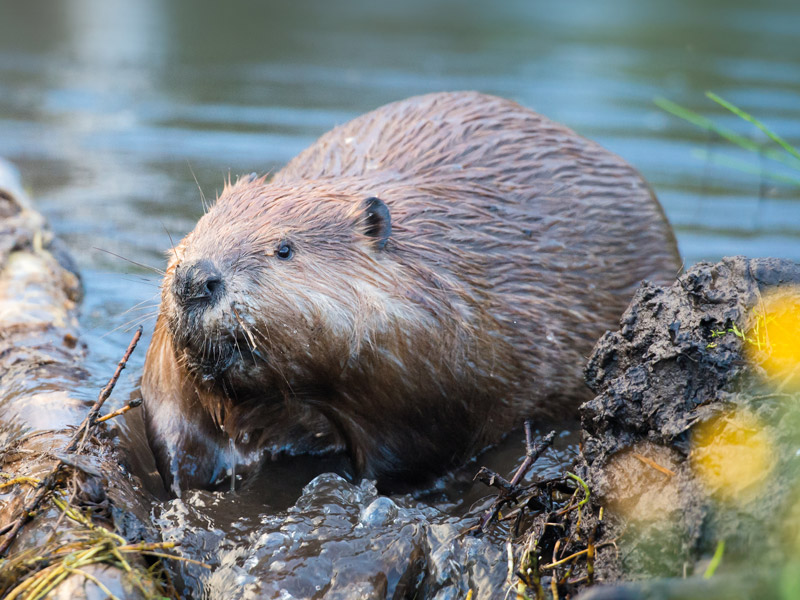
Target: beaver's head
277, 288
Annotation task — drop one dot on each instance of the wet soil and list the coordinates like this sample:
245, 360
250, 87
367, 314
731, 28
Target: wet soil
676, 365
341, 539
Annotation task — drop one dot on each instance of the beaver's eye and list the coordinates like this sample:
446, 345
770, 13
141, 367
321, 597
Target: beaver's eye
284, 252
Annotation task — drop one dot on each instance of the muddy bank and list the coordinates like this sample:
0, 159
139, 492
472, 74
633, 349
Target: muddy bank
691, 442
344, 540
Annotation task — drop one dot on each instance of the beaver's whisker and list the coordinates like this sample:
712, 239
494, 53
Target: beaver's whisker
142, 280
236, 344
202, 194
251, 344
132, 323
254, 348
141, 306
274, 366
171, 241
160, 326
133, 262
204, 346
209, 348
244, 328
141, 321
267, 338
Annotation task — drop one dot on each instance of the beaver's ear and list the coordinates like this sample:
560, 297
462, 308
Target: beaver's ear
376, 221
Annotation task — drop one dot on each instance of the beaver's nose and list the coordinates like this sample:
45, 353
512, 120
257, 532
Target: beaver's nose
198, 283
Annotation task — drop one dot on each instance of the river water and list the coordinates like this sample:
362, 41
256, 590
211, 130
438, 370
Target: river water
112, 109
121, 116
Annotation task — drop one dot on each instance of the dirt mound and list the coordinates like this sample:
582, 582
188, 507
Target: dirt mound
690, 442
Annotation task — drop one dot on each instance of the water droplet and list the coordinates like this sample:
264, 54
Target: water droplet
379, 512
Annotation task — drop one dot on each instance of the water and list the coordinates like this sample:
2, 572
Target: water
109, 109
112, 110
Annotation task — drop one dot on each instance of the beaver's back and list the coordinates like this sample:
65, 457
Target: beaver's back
546, 230
497, 141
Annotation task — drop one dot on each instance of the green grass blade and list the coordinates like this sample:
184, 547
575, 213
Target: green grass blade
751, 119
707, 124
715, 560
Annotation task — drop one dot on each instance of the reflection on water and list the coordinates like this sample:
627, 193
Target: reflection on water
112, 109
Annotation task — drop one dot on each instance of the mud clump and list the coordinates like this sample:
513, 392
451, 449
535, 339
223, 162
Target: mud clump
689, 444
668, 360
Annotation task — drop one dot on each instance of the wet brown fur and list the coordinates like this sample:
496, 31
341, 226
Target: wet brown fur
515, 243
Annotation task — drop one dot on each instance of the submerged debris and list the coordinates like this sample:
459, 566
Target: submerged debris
551, 537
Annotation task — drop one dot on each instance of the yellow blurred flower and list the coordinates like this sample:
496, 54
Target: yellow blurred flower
732, 455
774, 337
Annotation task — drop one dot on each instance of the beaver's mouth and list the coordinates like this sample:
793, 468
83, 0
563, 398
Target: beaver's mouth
214, 358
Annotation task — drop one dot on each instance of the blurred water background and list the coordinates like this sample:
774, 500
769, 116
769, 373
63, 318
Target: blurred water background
111, 109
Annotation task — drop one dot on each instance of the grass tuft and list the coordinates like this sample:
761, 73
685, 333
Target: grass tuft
775, 149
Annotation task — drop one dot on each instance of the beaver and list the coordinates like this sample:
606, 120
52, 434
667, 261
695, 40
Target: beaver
405, 291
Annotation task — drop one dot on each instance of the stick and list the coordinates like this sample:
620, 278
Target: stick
510, 489
121, 411
532, 453
90, 419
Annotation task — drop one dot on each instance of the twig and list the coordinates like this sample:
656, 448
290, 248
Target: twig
651, 463
510, 555
22, 479
180, 558
91, 418
532, 453
576, 555
490, 478
94, 580
554, 586
120, 411
529, 574
49, 481
509, 490
592, 548
28, 509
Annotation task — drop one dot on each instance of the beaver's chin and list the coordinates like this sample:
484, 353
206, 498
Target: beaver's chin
225, 359
206, 368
